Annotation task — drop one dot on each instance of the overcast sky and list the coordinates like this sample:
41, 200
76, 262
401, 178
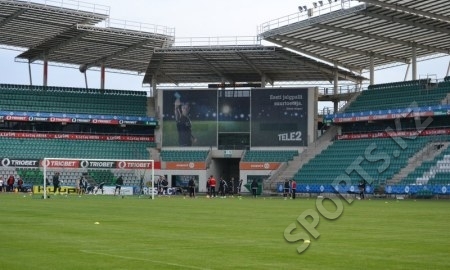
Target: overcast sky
190, 18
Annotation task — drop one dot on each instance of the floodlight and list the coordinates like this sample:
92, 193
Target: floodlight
329, 1
315, 4
305, 8
300, 8
320, 3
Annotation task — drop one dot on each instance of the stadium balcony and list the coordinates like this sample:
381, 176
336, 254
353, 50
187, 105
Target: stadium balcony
72, 100
400, 95
269, 156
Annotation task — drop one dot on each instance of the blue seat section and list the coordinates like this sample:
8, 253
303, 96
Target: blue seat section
61, 148
379, 158
269, 155
184, 155
399, 95
26, 98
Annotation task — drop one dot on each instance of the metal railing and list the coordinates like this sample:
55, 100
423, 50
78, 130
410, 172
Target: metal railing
70, 4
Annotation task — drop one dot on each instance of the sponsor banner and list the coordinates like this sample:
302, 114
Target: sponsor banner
107, 190
28, 163
388, 114
101, 164
134, 165
279, 119
75, 164
76, 118
97, 164
64, 189
76, 136
259, 165
62, 164
412, 133
105, 121
185, 165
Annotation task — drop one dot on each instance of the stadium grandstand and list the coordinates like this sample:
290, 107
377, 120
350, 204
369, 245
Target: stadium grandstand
256, 115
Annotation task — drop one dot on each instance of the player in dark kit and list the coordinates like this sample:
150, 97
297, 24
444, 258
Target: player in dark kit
191, 186
56, 183
119, 183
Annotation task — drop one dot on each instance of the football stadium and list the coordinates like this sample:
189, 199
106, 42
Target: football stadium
275, 151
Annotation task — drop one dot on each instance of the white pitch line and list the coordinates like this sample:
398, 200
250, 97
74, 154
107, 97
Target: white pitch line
143, 259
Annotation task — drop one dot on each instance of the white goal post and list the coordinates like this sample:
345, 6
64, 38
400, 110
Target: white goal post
143, 170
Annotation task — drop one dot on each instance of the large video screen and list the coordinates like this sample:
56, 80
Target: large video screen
189, 118
234, 113
279, 117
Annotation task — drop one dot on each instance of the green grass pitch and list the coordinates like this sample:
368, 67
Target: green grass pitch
177, 233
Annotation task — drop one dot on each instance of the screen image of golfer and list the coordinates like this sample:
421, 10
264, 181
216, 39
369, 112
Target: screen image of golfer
279, 118
189, 118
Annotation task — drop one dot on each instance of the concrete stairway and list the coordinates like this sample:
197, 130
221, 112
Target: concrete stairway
288, 170
428, 153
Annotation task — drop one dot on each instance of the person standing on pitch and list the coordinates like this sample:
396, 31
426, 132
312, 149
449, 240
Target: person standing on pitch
294, 189
254, 187
212, 185
239, 187
362, 189
287, 186
10, 183
119, 183
222, 187
208, 187
56, 183
191, 186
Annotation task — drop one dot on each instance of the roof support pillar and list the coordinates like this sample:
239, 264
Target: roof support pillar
263, 81
153, 86
372, 70
29, 73
336, 80
45, 72
407, 71
448, 69
335, 89
102, 76
414, 62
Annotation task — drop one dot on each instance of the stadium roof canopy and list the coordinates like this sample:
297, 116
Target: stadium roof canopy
75, 35
79, 33
358, 35
234, 64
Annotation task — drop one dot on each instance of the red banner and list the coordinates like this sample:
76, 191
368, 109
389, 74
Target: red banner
185, 165
76, 136
364, 118
259, 165
385, 134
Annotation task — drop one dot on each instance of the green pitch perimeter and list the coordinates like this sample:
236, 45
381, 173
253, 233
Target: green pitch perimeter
177, 233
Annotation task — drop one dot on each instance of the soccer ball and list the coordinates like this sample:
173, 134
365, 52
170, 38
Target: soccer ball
207, 196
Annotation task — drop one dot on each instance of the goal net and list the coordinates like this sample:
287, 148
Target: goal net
99, 176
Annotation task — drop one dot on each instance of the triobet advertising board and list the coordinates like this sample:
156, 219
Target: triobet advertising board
279, 117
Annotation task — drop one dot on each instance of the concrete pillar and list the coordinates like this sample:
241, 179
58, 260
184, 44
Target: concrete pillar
414, 62
102, 76
45, 72
372, 70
